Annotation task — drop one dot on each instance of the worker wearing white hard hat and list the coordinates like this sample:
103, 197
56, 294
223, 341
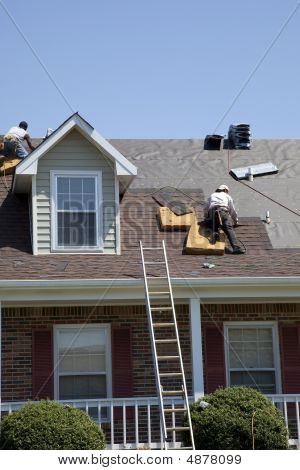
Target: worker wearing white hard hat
220, 212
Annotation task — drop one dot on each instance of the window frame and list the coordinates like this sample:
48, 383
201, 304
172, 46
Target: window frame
54, 212
108, 363
275, 340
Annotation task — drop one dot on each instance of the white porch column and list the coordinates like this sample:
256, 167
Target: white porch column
196, 348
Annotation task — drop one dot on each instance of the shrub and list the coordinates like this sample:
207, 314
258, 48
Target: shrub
226, 423
50, 425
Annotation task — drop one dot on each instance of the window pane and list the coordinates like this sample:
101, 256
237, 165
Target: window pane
80, 353
76, 196
89, 202
76, 229
75, 185
76, 202
265, 334
263, 381
63, 184
77, 340
251, 349
88, 185
236, 358
235, 334
82, 362
249, 334
82, 387
63, 201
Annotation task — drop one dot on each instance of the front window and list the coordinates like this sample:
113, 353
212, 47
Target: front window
251, 358
76, 207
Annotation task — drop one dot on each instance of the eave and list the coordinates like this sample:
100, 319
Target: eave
110, 291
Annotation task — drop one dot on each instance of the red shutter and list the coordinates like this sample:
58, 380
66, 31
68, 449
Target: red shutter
42, 364
290, 357
122, 377
214, 356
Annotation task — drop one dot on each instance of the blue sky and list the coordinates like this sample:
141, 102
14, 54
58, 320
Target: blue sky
151, 69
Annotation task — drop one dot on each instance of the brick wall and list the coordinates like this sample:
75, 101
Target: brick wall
17, 342
18, 324
250, 312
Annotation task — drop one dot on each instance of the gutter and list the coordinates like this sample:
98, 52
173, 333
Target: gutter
131, 291
192, 282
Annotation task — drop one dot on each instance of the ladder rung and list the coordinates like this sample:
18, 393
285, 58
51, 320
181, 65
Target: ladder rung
165, 358
161, 308
170, 374
179, 428
154, 262
172, 392
156, 277
159, 293
163, 325
174, 410
155, 248
166, 341
180, 448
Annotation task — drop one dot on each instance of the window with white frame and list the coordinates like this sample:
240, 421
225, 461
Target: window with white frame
251, 356
83, 362
76, 217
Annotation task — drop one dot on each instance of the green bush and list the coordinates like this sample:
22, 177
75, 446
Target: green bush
226, 423
50, 425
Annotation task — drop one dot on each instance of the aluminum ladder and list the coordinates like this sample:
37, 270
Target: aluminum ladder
157, 326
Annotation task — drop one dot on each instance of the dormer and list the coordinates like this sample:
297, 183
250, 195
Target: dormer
74, 178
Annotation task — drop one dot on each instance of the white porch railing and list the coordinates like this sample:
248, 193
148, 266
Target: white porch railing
128, 423
133, 423
289, 406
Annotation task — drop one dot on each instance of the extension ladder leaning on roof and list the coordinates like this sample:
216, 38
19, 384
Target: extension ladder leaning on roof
157, 323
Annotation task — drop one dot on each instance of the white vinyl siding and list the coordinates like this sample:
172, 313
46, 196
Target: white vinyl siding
74, 153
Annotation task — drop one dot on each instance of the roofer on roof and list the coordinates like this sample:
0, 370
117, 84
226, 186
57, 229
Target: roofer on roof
18, 134
220, 212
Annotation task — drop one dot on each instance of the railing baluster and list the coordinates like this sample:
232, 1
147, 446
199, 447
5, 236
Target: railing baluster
140, 404
161, 437
124, 424
112, 424
99, 414
173, 423
285, 413
298, 423
149, 423
136, 416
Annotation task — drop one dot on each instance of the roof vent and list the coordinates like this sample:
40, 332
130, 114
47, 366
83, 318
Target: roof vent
239, 136
213, 142
254, 170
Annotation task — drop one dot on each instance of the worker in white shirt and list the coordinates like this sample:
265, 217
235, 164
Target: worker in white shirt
220, 212
17, 135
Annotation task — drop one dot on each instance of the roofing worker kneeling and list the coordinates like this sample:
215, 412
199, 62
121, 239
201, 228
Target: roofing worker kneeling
18, 134
220, 212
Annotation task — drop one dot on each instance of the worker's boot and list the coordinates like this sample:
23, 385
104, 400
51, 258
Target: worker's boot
238, 251
214, 238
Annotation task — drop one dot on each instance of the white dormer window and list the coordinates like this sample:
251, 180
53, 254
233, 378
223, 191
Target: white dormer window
76, 207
